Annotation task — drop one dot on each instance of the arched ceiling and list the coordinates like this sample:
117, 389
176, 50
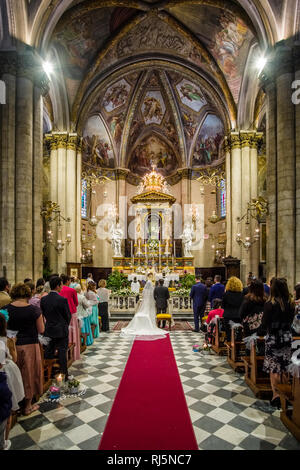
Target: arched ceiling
87, 39
154, 113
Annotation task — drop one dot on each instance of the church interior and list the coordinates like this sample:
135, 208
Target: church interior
155, 140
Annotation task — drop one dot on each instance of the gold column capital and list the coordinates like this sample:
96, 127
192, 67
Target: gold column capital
235, 141
74, 142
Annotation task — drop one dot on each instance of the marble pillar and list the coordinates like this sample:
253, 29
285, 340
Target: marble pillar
65, 190
285, 172
23, 182
7, 178
236, 190
282, 163
37, 182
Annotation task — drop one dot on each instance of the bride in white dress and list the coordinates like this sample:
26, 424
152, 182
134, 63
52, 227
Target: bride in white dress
143, 325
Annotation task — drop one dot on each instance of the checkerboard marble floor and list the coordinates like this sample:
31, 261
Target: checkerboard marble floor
224, 412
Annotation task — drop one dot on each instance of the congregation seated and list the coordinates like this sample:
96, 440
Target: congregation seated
252, 308
232, 302
277, 320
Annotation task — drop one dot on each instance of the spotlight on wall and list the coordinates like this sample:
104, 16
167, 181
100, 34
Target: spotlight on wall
260, 64
48, 67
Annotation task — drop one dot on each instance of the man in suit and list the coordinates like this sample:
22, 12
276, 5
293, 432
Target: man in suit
161, 296
58, 316
216, 291
199, 294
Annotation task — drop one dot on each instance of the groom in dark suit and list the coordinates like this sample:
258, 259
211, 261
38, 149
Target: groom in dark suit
199, 294
161, 296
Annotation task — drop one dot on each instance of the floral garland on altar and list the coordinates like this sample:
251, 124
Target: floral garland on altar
153, 245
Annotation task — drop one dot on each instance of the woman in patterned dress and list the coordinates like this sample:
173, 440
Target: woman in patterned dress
276, 321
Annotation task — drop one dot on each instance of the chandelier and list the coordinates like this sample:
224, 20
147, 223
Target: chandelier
94, 177
257, 210
51, 213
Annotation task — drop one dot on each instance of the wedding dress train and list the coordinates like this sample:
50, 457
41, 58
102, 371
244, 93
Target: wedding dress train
143, 325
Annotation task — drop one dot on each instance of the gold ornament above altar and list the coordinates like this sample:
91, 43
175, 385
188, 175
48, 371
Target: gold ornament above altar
153, 189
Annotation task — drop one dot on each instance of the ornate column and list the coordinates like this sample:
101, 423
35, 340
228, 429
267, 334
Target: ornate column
21, 164
241, 177
277, 79
72, 187
65, 190
8, 70
285, 165
255, 249
236, 190
229, 228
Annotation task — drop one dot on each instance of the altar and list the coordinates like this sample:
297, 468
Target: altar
142, 277
154, 233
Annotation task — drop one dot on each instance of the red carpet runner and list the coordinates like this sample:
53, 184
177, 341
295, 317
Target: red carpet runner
150, 410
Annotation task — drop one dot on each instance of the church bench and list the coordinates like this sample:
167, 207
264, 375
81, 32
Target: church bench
83, 339
236, 349
47, 366
255, 377
70, 354
290, 417
218, 339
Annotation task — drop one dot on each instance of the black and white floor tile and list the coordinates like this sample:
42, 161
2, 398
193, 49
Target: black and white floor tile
224, 411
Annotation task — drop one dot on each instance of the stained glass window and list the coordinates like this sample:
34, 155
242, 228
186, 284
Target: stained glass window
84, 196
222, 204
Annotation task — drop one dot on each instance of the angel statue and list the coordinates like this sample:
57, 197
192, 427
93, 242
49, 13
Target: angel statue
187, 238
116, 236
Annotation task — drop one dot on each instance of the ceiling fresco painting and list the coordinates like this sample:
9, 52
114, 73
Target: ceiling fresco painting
191, 95
116, 95
225, 35
97, 149
153, 150
153, 107
208, 148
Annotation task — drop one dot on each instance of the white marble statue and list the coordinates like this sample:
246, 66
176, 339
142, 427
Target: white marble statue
187, 238
116, 236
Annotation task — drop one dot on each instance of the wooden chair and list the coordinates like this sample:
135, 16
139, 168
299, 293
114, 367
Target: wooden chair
47, 365
218, 341
70, 354
290, 417
255, 377
83, 339
236, 349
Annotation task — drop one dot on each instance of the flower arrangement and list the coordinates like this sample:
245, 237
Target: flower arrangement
187, 281
73, 386
117, 281
183, 292
206, 348
153, 245
124, 293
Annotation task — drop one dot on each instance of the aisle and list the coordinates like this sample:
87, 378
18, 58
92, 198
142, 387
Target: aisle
150, 410
224, 412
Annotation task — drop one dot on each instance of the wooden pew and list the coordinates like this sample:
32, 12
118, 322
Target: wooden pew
236, 349
218, 341
290, 417
83, 339
47, 365
70, 354
255, 377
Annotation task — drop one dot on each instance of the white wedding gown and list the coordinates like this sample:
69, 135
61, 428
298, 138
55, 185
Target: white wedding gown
143, 325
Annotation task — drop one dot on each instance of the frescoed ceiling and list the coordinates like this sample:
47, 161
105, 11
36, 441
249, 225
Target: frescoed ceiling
187, 63
154, 116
